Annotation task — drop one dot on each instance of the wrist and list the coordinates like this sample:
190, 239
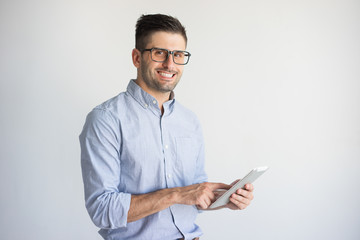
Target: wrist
174, 195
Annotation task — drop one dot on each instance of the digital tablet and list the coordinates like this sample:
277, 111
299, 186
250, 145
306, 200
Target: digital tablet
249, 178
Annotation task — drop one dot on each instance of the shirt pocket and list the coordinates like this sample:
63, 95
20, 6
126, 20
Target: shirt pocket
187, 150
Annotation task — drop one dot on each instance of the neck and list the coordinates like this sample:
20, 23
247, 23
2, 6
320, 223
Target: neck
161, 97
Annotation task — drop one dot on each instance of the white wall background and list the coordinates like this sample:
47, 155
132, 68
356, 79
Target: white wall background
274, 83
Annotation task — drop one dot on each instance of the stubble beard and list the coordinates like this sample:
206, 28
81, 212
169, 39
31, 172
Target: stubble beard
150, 79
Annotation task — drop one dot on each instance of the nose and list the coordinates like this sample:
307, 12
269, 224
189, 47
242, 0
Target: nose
169, 63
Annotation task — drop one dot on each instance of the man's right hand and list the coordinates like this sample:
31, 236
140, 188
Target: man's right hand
201, 195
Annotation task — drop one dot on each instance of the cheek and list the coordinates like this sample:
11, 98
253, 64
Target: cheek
180, 72
146, 68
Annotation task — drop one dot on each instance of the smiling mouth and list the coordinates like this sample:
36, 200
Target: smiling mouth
166, 74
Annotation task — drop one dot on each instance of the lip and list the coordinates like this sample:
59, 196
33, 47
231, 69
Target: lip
166, 75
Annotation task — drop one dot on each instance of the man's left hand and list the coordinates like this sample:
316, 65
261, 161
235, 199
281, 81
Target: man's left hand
242, 198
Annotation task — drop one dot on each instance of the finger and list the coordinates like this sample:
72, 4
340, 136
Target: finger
249, 187
201, 204
238, 204
211, 195
206, 199
245, 193
241, 199
206, 203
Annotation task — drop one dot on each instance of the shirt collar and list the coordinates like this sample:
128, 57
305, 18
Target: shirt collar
147, 101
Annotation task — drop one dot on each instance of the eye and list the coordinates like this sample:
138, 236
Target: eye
159, 52
179, 54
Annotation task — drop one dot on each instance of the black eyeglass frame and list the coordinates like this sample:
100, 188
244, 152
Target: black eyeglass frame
168, 53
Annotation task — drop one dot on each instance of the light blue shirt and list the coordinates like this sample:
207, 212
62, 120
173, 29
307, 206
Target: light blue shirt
129, 147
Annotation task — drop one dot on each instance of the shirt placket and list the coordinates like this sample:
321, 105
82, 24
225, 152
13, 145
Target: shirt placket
169, 176
166, 150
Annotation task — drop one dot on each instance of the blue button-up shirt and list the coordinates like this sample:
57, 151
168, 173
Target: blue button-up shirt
129, 147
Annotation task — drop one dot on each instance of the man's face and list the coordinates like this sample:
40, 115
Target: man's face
161, 77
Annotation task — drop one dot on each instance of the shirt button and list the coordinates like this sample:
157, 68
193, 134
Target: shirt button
146, 105
154, 102
166, 146
169, 175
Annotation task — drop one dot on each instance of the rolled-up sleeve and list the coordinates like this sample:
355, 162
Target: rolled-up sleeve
100, 142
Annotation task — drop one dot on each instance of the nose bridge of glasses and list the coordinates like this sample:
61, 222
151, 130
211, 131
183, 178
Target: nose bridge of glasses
172, 53
169, 60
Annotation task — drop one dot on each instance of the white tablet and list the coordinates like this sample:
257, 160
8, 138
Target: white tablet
249, 178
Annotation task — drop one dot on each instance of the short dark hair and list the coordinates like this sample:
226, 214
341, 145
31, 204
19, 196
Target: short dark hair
148, 24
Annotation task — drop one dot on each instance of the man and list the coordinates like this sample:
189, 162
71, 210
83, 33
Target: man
142, 153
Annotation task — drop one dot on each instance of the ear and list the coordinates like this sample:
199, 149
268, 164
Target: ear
136, 55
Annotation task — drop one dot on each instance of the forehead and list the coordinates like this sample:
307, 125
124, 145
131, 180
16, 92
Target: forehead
171, 41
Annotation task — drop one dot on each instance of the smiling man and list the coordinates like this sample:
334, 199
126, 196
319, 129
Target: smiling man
158, 74
142, 152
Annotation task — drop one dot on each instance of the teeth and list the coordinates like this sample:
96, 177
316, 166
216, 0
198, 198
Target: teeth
168, 75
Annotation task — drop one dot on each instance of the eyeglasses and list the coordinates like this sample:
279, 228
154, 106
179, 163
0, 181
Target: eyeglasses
162, 55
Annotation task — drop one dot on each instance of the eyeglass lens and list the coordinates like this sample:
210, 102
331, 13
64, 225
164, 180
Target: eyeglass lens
161, 55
